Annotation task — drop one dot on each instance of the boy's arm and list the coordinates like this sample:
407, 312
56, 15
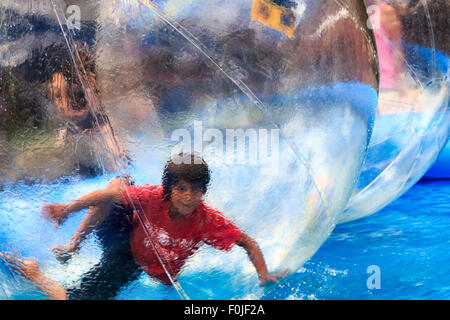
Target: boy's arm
60, 212
95, 216
256, 257
100, 204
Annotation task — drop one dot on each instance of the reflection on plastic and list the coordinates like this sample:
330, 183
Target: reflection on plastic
412, 123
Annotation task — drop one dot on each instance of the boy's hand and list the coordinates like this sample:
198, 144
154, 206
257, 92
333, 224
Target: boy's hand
54, 212
271, 277
63, 253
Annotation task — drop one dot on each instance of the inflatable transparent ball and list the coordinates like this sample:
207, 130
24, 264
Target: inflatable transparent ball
413, 120
279, 98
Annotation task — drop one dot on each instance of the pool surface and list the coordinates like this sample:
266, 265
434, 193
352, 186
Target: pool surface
408, 241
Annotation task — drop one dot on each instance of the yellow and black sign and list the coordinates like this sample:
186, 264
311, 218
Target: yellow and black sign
276, 15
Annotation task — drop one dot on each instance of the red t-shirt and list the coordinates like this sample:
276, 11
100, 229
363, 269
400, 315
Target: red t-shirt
174, 240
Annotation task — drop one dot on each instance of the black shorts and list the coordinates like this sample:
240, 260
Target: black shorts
117, 267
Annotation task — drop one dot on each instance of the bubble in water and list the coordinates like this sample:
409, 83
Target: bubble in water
278, 96
412, 121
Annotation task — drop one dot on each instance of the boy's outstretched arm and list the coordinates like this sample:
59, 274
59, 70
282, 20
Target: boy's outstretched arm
60, 212
100, 203
256, 257
95, 216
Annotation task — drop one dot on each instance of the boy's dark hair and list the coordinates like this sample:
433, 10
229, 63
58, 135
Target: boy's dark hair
188, 167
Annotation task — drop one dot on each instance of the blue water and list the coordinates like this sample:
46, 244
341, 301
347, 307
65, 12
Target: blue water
409, 241
441, 168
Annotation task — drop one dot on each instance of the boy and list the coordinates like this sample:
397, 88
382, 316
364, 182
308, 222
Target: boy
155, 227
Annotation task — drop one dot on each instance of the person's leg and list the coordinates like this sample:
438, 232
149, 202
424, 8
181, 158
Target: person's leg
29, 269
116, 269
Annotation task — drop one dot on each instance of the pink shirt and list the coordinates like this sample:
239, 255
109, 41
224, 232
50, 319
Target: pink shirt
388, 59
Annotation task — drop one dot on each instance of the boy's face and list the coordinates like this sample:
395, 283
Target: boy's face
185, 198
